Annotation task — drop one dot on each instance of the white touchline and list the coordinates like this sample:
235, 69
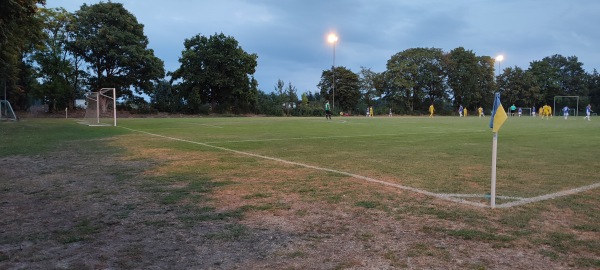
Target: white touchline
448, 197
549, 196
480, 196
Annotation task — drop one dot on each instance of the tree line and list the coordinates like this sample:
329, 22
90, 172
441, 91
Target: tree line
54, 57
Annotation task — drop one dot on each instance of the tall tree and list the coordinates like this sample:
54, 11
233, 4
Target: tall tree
570, 72
304, 99
369, 81
547, 79
518, 87
291, 97
279, 88
269, 104
463, 76
347, 87
20, 29
218, 71
559, 76
486, 84
594, 88
414, 78
283, 96
165, 97
112, 42
57, 69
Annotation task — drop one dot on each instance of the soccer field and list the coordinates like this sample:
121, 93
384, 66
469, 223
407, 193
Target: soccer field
447, 157
299, 193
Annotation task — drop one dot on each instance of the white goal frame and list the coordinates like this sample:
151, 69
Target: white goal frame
109, 93
558, 111
6, 111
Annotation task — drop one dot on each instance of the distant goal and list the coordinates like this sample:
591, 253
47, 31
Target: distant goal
526, 111
566, 101
101, 108
6, 111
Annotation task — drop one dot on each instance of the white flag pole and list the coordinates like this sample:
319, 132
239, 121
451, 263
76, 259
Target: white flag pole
494, 155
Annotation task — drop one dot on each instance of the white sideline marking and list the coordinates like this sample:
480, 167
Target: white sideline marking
549, 196
447, 197
481, 196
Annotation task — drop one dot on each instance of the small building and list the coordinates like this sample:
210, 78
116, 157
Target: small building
80, 103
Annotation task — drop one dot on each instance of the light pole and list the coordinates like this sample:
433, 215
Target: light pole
332, 38
499, 59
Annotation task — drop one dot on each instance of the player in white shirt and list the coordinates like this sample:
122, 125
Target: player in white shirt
588, 112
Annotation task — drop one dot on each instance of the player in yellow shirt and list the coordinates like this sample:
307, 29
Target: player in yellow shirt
431, 110
465, 111
480, 112
547, 111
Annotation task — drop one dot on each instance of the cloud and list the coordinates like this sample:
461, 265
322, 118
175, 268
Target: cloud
290, 36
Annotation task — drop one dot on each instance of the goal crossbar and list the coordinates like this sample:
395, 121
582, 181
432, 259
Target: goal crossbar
561, 101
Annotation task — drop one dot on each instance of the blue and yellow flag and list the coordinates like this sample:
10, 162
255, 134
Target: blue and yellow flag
498, 115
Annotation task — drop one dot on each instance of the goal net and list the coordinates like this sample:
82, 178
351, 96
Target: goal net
6, 111
101, 109
566, 101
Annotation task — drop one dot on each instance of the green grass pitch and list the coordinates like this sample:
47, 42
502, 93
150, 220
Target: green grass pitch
443, 155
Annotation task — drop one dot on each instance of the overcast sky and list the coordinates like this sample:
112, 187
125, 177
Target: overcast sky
290, 37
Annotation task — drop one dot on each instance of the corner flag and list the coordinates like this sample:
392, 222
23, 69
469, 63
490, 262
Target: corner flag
498, 115
498, 118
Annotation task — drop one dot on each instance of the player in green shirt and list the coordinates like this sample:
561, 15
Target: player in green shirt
327, 111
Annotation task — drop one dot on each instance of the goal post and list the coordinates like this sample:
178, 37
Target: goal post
101, 109
6, 111
570, 101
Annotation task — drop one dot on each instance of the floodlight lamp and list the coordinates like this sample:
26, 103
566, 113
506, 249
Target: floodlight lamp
332, 38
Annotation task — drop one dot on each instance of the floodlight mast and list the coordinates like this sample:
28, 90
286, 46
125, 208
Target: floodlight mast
332, 38
499, 59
